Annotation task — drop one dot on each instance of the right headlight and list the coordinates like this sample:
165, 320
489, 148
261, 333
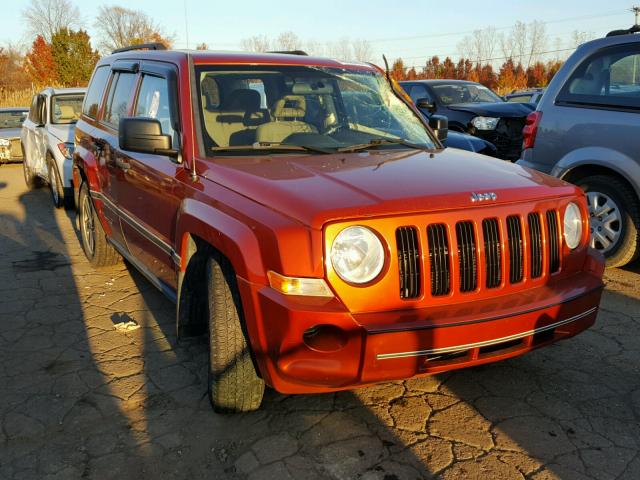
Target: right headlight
357, 255
572, 226
485, 123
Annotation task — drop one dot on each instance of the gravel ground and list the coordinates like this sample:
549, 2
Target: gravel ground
95, 385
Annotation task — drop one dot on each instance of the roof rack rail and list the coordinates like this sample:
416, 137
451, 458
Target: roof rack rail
627, 31
142, 46
291, 52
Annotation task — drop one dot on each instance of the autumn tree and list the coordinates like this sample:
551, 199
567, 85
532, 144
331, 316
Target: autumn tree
73, 57
202, 46
14, 76
39, 63
46, 17
120, 27
397, 70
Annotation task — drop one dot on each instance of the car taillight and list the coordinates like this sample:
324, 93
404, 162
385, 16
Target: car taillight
530, 129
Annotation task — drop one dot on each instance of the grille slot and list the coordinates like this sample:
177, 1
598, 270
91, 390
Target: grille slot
408, 262
439, 259
535, 244
492, 252
467, 258
554, 241
516, 255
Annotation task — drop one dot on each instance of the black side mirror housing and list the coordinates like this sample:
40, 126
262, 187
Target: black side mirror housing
425, 104
144, 135
440, 126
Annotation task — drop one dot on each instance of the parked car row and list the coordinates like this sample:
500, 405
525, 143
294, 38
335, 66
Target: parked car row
301, 212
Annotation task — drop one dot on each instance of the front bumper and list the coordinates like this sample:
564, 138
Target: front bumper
396, 345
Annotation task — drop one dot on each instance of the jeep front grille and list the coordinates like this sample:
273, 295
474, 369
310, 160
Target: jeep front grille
506, 253
409, 262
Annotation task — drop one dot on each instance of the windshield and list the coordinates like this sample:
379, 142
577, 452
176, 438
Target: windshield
312, 108
66, 108
464, 93
12, 118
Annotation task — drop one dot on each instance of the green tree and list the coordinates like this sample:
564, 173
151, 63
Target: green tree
73, 57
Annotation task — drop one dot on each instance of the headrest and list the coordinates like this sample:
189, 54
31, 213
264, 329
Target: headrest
243, 99
210, 92
290, 106
66, 112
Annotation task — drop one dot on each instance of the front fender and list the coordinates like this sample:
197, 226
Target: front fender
232, 238
620, 163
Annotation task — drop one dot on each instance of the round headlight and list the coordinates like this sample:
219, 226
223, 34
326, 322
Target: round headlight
357, 255
572, 226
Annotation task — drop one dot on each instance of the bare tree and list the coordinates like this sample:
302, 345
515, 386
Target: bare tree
46, 17
288, 41
578, 38
537, 40
361, 49
257, 43
340, 49
313, 47
120, 27
480, 45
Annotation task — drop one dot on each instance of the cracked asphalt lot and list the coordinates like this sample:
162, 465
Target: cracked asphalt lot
94, 385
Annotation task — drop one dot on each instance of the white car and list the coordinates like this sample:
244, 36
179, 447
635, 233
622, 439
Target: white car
47, 141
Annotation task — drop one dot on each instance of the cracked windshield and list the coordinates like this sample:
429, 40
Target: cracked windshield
306, 108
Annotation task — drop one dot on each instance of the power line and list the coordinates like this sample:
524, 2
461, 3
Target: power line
447, 34
485, 60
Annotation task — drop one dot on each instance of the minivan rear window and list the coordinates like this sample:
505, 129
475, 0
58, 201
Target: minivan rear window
95, 92
608, 79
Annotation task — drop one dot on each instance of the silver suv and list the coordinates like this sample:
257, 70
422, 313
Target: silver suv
586, 130
47, 141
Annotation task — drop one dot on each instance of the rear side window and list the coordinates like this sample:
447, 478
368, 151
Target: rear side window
95, 91
121, 90
609, 78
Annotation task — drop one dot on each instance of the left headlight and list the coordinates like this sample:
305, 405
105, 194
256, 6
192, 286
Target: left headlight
4, 142
485, 123
572, 226
357, 255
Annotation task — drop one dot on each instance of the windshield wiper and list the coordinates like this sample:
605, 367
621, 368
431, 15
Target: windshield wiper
376, 142
273, 146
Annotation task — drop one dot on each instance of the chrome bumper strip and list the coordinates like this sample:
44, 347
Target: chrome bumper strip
486, 343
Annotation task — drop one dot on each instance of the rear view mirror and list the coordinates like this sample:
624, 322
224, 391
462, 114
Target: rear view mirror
440, 126
144, 135
425, 104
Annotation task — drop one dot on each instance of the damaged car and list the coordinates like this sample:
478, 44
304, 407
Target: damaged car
474, 109
10, 124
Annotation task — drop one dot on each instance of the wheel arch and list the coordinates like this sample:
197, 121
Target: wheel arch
591, 169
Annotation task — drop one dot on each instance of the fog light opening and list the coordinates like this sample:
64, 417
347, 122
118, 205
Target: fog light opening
325, 338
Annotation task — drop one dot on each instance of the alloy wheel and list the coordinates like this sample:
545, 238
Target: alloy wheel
87, 226
605, 221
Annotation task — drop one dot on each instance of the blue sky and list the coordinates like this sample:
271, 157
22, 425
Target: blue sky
417, 29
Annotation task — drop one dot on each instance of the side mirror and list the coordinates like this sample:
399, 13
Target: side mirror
425, 104
144, 135
440, 126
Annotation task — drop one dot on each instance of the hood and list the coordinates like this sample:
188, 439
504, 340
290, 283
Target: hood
10, 132
467, 142
64, 133
315, 189
497, 109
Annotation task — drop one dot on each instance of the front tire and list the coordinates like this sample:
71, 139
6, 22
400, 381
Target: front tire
615, 218
98, 251
234, 385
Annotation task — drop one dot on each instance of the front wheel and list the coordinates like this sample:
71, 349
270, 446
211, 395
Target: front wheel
98, 251
614, 218
234, 385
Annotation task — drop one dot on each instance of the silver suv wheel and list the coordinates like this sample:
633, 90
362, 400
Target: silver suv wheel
605, 222
86, 225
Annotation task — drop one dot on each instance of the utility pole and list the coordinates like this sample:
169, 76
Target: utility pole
636, 12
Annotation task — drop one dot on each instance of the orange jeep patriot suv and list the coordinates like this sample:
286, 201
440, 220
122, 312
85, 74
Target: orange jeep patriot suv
301, 212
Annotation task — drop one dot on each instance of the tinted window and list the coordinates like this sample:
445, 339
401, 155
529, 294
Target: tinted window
96, 89
119, 98
418, 92
610, 78
153, 102
33, 111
